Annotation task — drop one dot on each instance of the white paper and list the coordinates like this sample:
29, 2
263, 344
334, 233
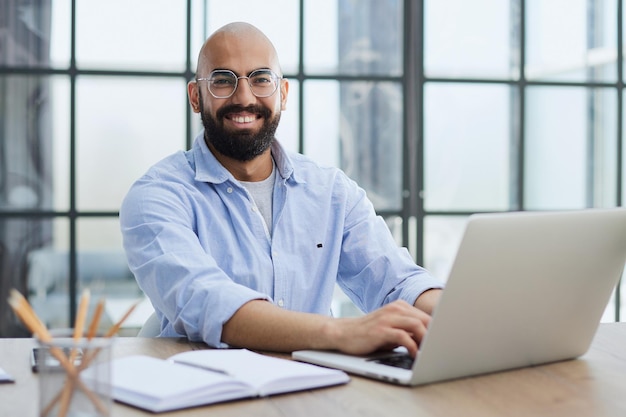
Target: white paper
268, 375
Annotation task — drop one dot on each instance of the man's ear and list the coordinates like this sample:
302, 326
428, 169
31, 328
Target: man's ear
284, 90
194, 96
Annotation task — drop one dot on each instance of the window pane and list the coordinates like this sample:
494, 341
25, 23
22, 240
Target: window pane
622, 309
102, 267
467, 146
60, 33
609, 312
278, 19
569, 148
442, 237
146, 34
41, 247
571, 40
623, 123
602, 146
322, 140
623, 17
32, 34
60, 113
470, 39
371, 139
124, 125
34, 111
321, 45
361, 133
199, 29
348, 37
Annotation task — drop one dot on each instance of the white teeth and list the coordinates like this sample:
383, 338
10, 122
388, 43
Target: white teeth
243, 119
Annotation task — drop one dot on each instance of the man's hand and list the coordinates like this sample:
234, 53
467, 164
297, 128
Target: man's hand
395, 324
260, 325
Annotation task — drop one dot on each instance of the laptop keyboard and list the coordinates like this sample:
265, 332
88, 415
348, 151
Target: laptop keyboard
402, 360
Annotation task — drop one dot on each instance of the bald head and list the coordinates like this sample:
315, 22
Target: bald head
240, 47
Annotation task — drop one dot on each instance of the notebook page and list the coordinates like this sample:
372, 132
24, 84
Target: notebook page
267, 374
156, 384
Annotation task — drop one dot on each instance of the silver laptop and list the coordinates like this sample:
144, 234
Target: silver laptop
526, 288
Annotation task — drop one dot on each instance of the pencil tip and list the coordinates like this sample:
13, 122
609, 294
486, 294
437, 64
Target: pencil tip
14, 297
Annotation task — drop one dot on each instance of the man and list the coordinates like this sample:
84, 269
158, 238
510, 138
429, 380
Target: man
236, 242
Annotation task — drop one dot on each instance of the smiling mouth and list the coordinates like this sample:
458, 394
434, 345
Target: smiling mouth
243, 118
239, 115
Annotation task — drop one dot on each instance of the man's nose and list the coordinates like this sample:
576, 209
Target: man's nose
243, 92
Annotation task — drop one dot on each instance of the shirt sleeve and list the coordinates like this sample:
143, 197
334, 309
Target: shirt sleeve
181, 278
374, 270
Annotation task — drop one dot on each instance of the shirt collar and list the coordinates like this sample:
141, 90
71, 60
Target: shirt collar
209, 169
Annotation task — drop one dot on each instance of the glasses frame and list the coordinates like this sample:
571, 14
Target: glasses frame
275, 76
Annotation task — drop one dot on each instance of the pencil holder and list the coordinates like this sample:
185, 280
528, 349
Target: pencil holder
74, 376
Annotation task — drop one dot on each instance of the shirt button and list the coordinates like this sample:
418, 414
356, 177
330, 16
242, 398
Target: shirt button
229, 190
254, 208
281, 303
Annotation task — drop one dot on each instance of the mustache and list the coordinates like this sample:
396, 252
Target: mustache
235, 108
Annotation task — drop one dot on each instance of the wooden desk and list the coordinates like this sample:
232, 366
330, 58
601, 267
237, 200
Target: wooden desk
594, 385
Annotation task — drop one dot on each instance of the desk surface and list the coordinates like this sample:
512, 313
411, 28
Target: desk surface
594, 385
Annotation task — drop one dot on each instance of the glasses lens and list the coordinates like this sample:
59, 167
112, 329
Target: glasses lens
222, 83
263, 82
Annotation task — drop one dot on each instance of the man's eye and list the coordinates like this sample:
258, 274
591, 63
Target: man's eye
223, 82
262, 79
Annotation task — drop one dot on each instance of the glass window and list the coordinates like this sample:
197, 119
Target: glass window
32, 34
102, 267
443, 236
124, 125
582, 49
346, 108
470, 39
321, 35
30, 133
60, 159
622, 306
138, 35
60, 33
623, 167
602, 147
278, 19
321, 140
467, 146
354, 38
609, 312
569, 147
357, 126
608, 16
42, 247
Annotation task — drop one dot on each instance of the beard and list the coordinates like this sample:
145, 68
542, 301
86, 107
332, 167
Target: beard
242, 145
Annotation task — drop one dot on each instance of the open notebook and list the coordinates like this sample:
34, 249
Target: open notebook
525, 288
208, 376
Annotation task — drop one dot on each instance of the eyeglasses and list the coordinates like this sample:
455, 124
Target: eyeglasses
223, 83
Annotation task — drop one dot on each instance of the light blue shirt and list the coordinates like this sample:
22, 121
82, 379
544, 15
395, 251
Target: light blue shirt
199, 248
